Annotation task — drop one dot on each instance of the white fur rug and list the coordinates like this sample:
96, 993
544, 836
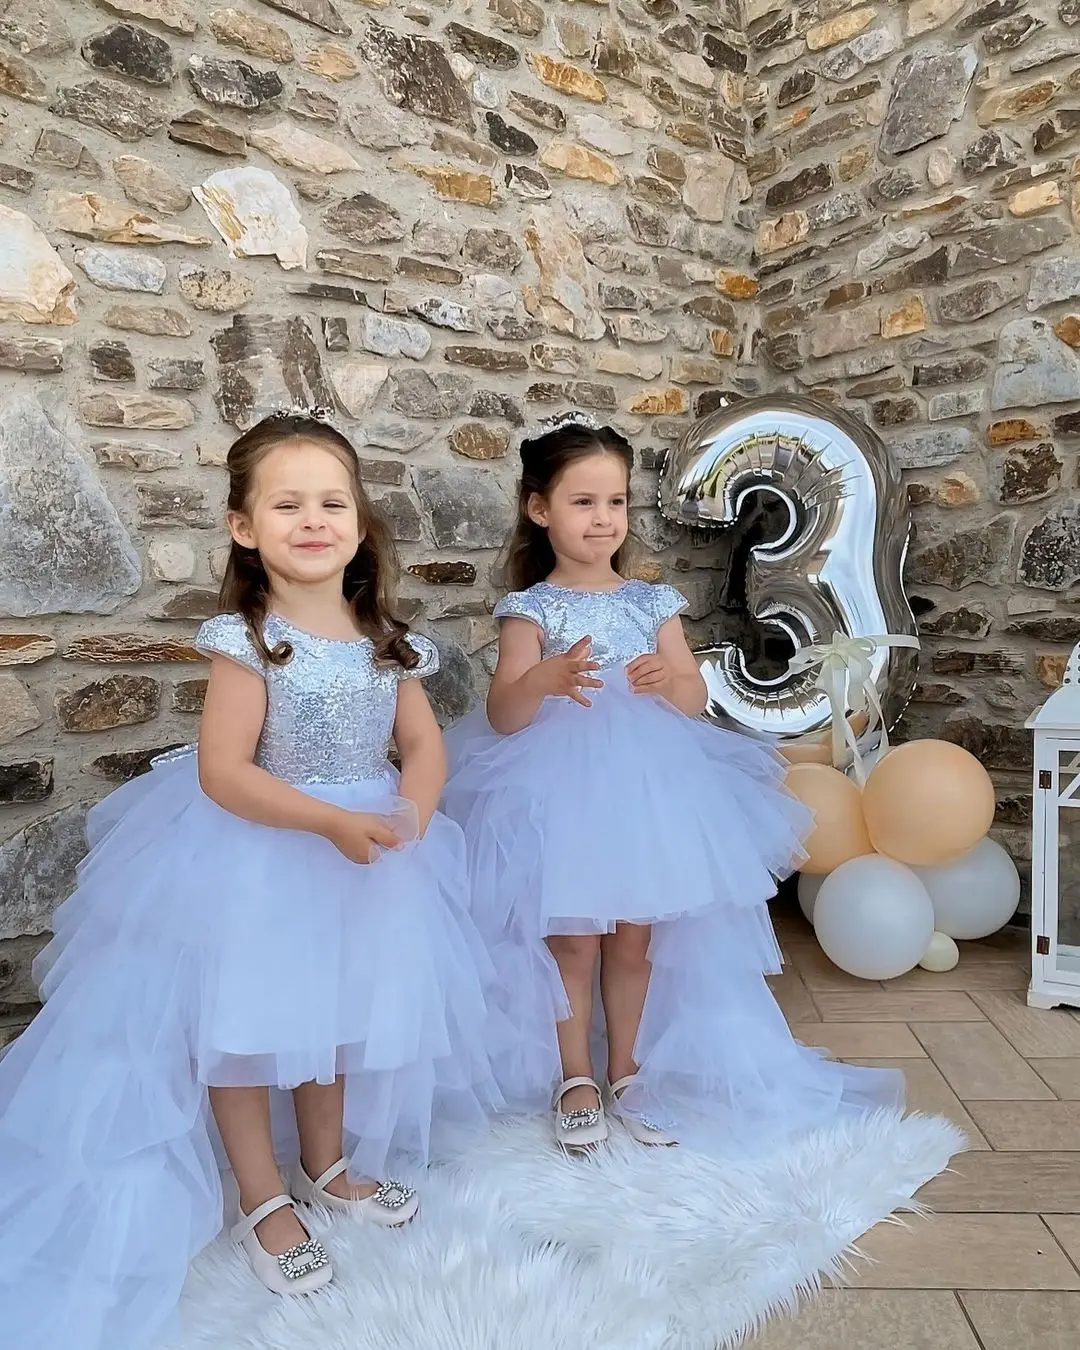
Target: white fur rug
519, 1248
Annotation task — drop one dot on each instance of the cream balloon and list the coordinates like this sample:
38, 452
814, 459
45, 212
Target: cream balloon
941, 955
839, 832
808, 888
975, 894
873, 918
927, 802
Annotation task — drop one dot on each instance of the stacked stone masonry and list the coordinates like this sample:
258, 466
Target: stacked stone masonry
449, 219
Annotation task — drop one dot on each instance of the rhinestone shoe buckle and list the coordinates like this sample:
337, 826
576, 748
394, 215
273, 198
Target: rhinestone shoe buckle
393, 1194
579, 1119
303, 1259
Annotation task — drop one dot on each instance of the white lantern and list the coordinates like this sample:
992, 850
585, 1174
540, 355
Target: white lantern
1055, 846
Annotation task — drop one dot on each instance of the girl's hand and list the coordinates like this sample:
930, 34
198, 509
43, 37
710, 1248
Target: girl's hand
565, 676
360, 836
650, 674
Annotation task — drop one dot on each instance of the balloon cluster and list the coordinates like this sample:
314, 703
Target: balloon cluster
901, 867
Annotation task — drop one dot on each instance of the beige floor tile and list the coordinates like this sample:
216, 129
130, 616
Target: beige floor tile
887, 1005
1029, 1126
1033, 1032
793, 997
969, 974
1062, 1075
965, 1251
1066, 1228
1019, 1321
818, 971
979, 1063
857, 1040
927, 1091
856, 1319
1008, 944
1007, 1183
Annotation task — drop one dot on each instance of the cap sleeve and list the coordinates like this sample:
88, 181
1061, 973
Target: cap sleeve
664, 602
429, 657
520, 605
227, 635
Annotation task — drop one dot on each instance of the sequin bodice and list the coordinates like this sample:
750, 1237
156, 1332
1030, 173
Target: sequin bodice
623, 623
330, 709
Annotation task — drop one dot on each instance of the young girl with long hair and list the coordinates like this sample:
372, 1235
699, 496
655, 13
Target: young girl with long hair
612, 833
280, 913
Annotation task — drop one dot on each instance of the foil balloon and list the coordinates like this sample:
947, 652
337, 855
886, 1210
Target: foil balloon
831, 575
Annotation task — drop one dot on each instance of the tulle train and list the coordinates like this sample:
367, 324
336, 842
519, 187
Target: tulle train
200, 949
628, 811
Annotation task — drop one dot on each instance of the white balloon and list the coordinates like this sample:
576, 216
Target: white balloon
873, 917
942, 954
975, 894
808, 893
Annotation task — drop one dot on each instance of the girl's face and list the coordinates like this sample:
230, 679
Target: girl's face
584, 510
301, 514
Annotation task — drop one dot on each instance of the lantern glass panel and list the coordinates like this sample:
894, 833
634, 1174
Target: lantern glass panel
1068, 863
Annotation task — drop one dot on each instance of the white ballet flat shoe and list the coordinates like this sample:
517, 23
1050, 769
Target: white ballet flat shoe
638, 1127
580, 1129
300, 1270
391, 1206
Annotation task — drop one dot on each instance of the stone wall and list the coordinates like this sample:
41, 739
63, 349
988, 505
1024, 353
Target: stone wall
450, 218
917, 206
445, 219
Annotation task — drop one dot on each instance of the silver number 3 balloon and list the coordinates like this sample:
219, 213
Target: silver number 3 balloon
837, 566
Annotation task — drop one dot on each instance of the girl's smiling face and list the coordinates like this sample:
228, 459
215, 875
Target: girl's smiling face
302, 514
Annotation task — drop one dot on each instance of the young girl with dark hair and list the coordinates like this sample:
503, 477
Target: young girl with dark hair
612, 832
278, 913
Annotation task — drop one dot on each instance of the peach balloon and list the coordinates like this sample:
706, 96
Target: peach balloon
927, 802
839, 832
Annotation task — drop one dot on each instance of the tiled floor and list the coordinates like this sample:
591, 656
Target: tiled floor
998, 1266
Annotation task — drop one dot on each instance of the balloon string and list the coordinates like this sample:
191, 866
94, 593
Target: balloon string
844, 675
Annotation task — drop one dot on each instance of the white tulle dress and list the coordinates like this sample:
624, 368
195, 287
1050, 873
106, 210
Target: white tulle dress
201, 949
631, 811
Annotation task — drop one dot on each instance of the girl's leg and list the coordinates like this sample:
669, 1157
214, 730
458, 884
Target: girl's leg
320, 1114
575, 955
624, 981
243, 1120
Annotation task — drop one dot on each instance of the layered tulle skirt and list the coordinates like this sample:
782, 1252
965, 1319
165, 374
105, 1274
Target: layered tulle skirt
203, 950
628, 811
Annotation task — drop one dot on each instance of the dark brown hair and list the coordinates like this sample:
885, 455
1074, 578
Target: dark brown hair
529, 557
369, 575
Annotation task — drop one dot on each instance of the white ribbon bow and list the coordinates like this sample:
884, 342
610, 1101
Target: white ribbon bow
843, 674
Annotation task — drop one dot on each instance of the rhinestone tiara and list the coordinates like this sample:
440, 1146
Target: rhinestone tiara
314, 411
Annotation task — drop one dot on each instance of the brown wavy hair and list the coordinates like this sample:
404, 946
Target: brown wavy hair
529, 557
370, 574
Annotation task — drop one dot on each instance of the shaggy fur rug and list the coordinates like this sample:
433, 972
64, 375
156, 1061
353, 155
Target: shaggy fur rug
517, 1247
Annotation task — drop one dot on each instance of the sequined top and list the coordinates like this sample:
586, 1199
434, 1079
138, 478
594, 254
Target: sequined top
623, 623
330, 710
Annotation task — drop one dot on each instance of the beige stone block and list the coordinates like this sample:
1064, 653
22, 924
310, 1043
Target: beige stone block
840, 29
1038, 197
1006, 1183
965, 1251
1066, 1228
1062, 1076
859, 1040
979, 1063
889, 1005
927, 1091
1029, 1126
1018, 1320
18, 712
858, 1319
793, 997
1033, 1032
